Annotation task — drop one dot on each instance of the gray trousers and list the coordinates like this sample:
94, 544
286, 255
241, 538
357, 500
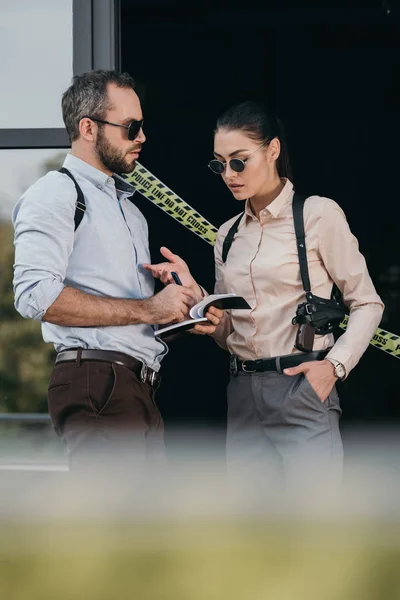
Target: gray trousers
279, 432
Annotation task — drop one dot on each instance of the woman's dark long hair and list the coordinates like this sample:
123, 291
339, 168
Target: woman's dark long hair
255, 120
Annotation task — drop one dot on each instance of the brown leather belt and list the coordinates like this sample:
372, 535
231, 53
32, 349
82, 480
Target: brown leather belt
276, 363
141, 370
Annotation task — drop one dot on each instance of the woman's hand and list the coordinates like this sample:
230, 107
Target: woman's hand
175, 263
320, 375
214, 315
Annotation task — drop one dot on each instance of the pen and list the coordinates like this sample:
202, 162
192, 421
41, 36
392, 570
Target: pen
175, 277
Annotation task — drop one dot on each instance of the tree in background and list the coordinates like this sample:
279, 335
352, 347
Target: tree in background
25, 360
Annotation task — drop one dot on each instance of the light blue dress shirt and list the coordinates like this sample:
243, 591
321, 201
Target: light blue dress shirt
103, 257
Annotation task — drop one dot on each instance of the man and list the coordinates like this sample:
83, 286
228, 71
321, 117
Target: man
87, 287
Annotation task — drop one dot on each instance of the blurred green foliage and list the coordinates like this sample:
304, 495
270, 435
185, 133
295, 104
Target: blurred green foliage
25, 360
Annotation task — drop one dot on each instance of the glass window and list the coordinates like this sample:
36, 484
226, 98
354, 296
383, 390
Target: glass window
36, 65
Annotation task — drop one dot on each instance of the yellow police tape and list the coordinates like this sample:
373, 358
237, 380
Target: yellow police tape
157, 192
384, 340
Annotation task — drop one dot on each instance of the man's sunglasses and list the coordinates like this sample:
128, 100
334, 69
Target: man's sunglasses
236, 164
133, 128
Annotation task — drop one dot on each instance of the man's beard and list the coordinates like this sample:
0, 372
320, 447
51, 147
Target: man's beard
113, 159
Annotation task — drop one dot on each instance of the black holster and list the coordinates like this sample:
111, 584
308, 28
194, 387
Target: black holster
316, 316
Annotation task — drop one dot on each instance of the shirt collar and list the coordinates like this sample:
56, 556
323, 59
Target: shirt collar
123, 186
98, 178
276, 206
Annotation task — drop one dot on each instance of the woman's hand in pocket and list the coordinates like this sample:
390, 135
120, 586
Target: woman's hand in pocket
320, 374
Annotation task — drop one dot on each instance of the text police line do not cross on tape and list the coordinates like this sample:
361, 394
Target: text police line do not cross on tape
154, 190
162, 196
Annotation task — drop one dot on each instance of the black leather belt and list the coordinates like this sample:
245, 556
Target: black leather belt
276, 363
141, 370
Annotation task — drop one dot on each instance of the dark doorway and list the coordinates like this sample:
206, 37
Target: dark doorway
332, 72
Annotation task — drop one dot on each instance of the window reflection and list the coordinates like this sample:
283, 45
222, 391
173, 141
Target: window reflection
36, 65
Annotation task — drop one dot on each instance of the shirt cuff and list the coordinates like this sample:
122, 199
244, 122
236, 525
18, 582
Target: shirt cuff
42, 297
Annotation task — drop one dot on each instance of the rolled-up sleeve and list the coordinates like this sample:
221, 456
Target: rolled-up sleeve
43, 222
347, 267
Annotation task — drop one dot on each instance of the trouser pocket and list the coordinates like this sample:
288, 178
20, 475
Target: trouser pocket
101, 384
58, 399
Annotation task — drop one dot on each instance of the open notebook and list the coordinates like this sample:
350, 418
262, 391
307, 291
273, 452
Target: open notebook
197, 312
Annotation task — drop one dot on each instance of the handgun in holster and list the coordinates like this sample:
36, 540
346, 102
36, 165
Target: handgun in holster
316, 316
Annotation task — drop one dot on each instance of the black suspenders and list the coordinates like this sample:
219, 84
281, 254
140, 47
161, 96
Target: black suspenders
80, 206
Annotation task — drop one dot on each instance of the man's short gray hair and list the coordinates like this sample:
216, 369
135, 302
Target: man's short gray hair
87, 95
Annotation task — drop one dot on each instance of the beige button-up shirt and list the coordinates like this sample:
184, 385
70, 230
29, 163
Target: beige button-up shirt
263, 266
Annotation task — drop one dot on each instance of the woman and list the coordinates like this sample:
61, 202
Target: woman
284, 410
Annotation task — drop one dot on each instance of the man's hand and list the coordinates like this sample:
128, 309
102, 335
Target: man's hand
320, 375
171, 305
214, 315
163, 270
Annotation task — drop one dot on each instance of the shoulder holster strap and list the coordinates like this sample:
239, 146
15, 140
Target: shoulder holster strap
298, 218
298, 203
229, 238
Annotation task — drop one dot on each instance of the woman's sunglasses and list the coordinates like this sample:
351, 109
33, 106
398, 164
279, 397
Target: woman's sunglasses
236, 164
133, 128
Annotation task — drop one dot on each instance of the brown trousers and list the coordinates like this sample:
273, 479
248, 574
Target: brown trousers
105, 415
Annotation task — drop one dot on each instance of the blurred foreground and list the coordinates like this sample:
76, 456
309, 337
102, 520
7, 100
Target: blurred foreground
182, 530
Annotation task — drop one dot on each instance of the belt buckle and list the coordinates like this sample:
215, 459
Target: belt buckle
233, 368
155, 380
247, 370
143, 373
